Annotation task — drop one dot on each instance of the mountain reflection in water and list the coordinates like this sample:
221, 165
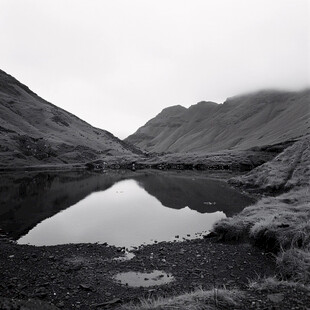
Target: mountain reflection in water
198, 193
123, 209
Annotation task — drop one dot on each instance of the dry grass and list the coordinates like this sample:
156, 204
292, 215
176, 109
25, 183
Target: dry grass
289, 169
273, 284
294, 264
277, 226
281, 223
197, 300
284, 219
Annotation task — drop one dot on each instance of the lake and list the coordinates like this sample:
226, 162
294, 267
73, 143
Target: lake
124, 209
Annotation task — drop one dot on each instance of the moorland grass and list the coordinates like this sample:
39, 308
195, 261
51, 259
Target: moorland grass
280, 223
197, 300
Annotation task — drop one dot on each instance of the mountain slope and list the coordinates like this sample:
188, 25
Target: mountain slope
34, 131
290, 169
241, 122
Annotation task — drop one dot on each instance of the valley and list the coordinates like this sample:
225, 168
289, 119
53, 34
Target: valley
256, 255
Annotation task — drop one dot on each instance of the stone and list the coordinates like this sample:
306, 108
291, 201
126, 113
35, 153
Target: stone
60, 304
276, 298
86, 287
108, 303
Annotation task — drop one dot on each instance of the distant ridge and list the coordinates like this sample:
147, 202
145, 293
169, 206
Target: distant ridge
36, 132
241, 122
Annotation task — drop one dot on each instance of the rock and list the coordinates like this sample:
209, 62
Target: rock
210, 235
41, 294
109, 303
276, 298
60, 304
86, 287
283, 225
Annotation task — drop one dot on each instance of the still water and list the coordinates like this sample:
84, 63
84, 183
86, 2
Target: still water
124, 215
145, 279
122, 210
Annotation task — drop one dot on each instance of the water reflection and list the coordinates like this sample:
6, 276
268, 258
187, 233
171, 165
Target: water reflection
124, 215
26, 199
123, 209
145, 279
198, 193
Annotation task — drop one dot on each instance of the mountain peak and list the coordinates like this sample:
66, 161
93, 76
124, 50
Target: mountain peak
203, 105
174, 108
244, 121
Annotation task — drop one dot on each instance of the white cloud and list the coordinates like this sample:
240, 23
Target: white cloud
117, 63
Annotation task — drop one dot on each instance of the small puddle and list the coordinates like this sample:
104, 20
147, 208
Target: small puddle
145, 279
126, 257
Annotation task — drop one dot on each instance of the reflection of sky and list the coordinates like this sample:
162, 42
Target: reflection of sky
123, 215
137, 279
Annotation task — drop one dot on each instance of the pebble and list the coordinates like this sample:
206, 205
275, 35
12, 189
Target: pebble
86, 287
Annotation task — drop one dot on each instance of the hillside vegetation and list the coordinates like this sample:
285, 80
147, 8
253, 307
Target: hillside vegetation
35, 132
240, 123
279, 221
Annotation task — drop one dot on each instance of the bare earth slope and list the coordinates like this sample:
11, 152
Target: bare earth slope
241, 122
35, 132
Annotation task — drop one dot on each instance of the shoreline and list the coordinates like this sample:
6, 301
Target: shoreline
228, 160
57, 191
83, 273
80, 276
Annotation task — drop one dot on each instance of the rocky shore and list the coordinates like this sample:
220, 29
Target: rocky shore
80, 276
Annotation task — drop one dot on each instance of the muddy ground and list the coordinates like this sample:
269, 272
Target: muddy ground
80, 276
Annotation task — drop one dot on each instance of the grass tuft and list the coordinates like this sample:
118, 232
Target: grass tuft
278, 223
273, 284
294, 264
197, 300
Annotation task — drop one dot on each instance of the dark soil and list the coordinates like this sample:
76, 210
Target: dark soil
79, 276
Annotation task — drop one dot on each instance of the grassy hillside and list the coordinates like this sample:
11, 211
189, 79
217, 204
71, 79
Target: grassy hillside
241, 122
35, 132
279, 221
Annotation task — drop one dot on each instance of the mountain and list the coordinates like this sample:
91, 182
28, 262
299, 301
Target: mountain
36, 132
241, 122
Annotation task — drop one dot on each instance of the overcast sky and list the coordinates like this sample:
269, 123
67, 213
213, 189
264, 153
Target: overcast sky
118, 63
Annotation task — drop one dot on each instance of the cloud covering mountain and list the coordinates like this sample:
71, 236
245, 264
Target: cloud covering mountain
241, 122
